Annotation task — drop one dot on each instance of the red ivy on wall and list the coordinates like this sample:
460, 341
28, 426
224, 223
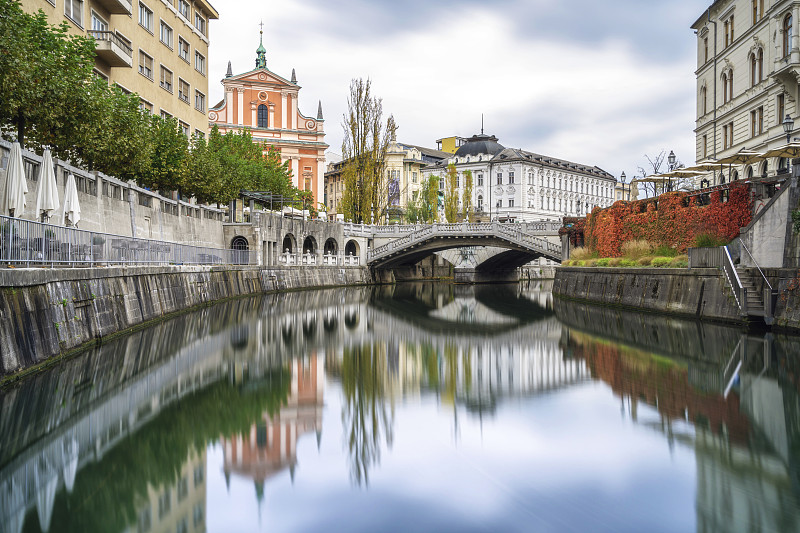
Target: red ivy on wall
672, 219
574, 227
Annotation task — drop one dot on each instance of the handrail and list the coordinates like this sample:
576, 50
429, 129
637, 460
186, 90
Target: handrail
756, 264
739, 292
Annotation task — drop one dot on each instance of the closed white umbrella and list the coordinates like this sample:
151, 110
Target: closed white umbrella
46, 192
72, 208
16, 186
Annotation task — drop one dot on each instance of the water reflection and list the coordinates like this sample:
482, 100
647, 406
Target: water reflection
373, 403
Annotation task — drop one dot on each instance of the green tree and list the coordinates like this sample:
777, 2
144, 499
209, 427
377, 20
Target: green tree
429, 198
365, 197
169, 149
46, 84
451, 194
466, 202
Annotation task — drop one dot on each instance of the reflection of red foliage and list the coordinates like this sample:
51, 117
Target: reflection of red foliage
667, 389
672, 219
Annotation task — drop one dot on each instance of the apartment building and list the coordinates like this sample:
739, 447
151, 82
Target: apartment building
157, 49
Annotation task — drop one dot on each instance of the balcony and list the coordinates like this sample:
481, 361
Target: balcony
112, 49
116, 7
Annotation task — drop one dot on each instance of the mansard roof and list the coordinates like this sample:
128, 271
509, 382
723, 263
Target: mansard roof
480, 144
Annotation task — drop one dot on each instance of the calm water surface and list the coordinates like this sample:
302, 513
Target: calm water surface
419, 407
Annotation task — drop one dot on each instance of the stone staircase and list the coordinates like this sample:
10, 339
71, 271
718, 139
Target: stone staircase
755, 302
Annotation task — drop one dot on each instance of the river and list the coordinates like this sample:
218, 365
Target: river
414, 407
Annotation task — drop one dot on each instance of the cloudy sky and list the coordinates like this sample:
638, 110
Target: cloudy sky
600, 83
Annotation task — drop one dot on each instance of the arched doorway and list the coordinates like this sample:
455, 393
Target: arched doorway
351, 248
331, 247
240, 251
309, 245
289, 244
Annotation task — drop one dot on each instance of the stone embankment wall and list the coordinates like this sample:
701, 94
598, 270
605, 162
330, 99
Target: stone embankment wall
48, 313
696, 293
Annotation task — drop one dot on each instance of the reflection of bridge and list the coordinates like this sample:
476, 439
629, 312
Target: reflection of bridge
523, 243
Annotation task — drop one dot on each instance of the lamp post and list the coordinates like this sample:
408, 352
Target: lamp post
671, 159
622, 178
788, 126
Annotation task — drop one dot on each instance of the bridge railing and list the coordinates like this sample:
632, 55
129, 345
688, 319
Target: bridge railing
399, 230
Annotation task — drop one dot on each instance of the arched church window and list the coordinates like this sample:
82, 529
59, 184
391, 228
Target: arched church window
263, 116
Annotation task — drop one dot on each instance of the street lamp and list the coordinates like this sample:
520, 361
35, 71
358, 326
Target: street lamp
622, 178
671, 158
788, 126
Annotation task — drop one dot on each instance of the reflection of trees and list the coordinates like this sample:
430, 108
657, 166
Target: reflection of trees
365, 414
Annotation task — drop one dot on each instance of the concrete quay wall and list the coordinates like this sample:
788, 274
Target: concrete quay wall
48, 313
696, 293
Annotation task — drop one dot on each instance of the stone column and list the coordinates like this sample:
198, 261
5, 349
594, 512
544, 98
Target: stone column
795, 52
321, 180
253, 118
294, 111
228, 105
271, 115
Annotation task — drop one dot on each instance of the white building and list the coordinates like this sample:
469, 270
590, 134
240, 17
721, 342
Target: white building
511, 184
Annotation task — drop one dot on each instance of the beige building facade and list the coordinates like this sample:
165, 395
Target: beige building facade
748, 66
157, 49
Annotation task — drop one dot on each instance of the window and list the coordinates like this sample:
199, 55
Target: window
480, 180
480, 203
755, 12
145, 65
166, 78
756, 67
199, 23
499, 178
511, 202
413, 177
705, 50
263, 116
703, 100
184, 9
184, 128
100, 75
499, 203
510, 177
727, 87
200, 135
183, 49
147, 106
166, 34
199, 101
781, 108
164, 503
757, 121
73, 9
197, 514
728, 31
183, 91
98, 24
787, 35
165, 115
727, 136
145, 17
199, 63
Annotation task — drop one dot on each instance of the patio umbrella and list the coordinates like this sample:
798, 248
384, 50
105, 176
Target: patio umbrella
72, 208
16, 185
788, 150
46, 192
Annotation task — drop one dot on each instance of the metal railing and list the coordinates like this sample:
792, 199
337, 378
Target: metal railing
769, 295
111, 37
739, 292
313, 259
28, 243
370, 230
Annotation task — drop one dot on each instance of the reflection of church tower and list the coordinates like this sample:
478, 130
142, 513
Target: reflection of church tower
271, 444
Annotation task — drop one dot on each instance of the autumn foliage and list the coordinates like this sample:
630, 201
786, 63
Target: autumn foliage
672, 219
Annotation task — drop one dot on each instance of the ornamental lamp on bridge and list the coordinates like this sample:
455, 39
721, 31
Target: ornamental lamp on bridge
671, 159
788, 126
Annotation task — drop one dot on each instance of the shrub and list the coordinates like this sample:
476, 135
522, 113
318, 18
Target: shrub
603, 262
636, 249
709, 240
591, 262
645, 261
580, 263
682, 261
614, 262
580, 253
665, 251
628, 263
661, 262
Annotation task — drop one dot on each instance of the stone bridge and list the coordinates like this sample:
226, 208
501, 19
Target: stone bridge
517, 243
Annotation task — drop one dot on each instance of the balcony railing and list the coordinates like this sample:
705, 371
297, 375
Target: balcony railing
112, 49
